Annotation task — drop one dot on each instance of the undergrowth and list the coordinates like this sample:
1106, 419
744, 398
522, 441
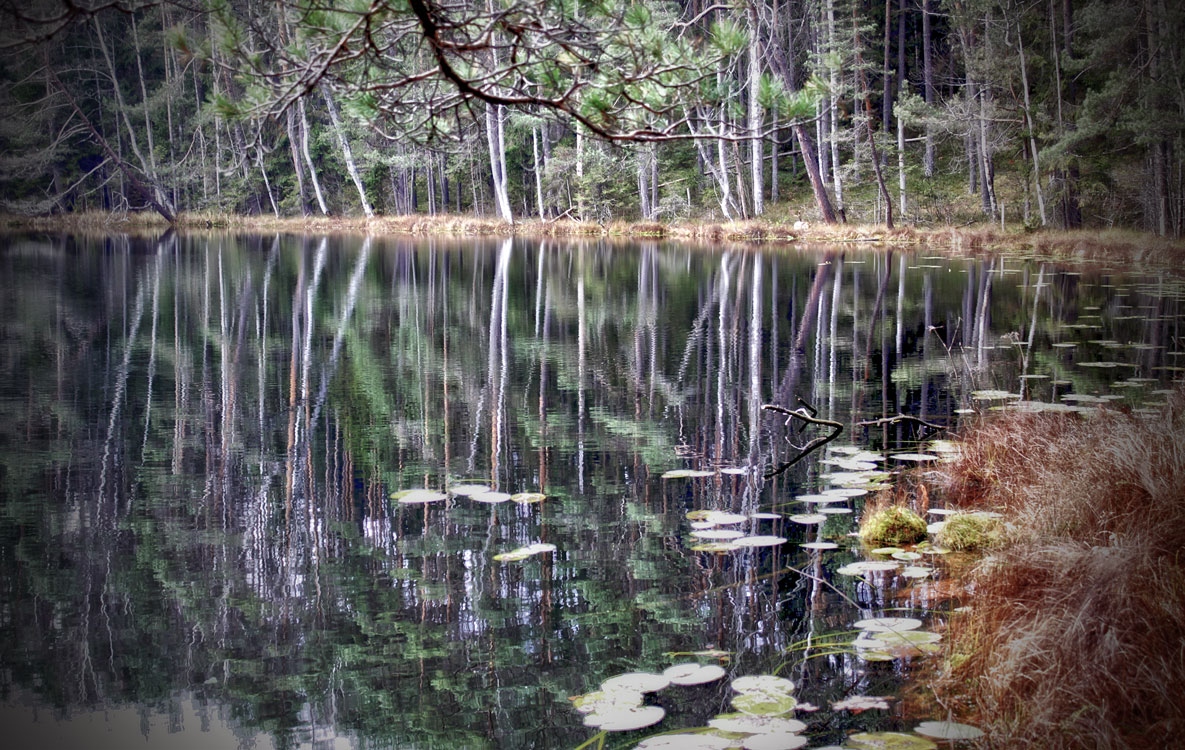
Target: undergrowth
1076, 637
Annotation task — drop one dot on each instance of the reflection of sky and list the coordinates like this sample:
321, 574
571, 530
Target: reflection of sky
237, 489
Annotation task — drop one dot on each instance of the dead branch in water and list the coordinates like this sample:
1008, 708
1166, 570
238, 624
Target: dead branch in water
806, 413
929, 428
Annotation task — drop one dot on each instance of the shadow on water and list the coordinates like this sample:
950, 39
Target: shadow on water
203, 540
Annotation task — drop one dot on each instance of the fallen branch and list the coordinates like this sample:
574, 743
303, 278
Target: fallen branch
929, 428
806, 413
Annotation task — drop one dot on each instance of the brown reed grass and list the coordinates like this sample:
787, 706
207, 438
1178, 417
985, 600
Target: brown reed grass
1076, 637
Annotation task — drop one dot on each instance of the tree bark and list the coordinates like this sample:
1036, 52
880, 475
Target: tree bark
347, 152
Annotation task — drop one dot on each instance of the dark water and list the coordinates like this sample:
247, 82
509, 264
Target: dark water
199, 440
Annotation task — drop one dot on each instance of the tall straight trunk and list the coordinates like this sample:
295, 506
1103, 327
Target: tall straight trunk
267, 184
755, 114
886, 72
304, 148
297, 166
1024, 82
1071, 209
579, 173
928, 85
347, 152
773, 169
641, 159
814, 176
870, 116
833, 116
987, 190
538, 171
901, 166
495, 137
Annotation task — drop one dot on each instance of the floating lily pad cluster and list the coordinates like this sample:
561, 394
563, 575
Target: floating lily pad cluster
618, 706
713, 532
522, 553
478, 493
762, 720
890, 638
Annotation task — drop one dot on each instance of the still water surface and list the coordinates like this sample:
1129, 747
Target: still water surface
202, 442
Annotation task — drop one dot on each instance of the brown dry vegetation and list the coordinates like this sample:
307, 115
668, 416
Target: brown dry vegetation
1090, 245
1076, 637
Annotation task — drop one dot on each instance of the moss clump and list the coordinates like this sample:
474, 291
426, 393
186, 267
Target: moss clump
967, 532
893, 525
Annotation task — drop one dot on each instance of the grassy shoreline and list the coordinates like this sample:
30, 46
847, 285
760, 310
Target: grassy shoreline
1128, 246
1075, 636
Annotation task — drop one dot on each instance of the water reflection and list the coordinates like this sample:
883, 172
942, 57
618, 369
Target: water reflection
201, 437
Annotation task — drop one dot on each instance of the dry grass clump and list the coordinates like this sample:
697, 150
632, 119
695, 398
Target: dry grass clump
1076, 638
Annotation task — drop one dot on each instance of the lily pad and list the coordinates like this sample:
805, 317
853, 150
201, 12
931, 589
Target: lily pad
861, 567
858, 703
522, 553
762, 683
527, 498
722, 518
845, 492
693, 674
914, 457
759, 541
917, 571
762, 703
687, 473
491, 498
419, 497
819, 545
888, 741
993, 395
625, 719
948, 730
642, 682
606, 700
886, 550
715, 547
463, 490
832, 510
718, 534
808, 518
906, 556
748, 724
774, 742
685, 741
887, 624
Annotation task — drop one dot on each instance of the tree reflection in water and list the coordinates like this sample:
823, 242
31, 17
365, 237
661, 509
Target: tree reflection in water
202, 435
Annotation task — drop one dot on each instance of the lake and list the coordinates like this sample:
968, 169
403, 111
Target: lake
336, 492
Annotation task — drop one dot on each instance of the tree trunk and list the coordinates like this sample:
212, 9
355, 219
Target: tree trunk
928, 86
497, 147
347, 152
822, 201
755, 114
304, 147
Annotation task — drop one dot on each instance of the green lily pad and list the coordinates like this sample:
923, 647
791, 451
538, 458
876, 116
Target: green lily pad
993, 395
522, 553
419, 497
491, 498
762, 703
685, 741
861, 567
860, 703
718, 535
462, 490
819, 545
722, 518
847, 492
693, 674
687, 473
888, 741
886, 550
642, 682
527, 498
759, 541
917, 571
762, 683
948, 730
919, 457
906, 556
604, 699
808, 518
749, 724
774, 742
715, 547
831, 510
625, 719
887, 624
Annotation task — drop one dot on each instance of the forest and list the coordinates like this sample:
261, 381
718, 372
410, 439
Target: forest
1054, 113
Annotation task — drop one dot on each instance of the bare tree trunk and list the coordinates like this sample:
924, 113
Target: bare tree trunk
928, 86
1024, 79
755, 114
347, 152
497, 143
297, 167
538, 171
304, 148
833, 80
822, 201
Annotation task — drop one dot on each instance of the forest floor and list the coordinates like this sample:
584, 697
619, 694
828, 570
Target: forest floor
1113, 245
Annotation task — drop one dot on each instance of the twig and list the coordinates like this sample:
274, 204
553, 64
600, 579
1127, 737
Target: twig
933, 428
807, 414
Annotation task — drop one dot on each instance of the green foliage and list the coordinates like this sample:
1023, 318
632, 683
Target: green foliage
893, 525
